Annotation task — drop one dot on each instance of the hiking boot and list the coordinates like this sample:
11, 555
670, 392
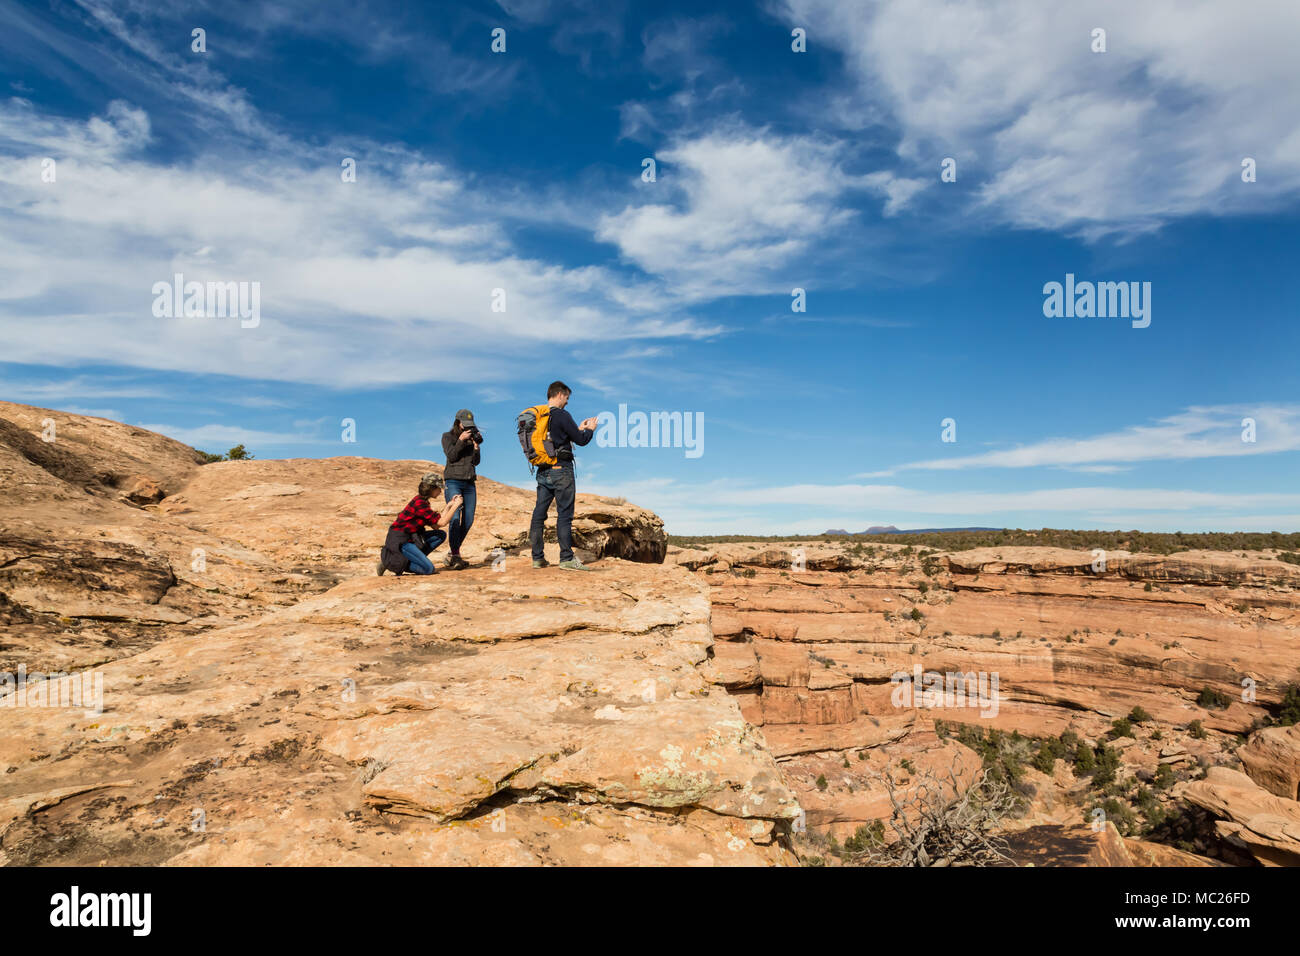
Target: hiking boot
456, 563
380, 569
574, 565
541, 563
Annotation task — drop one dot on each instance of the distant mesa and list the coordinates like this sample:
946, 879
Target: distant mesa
890, 529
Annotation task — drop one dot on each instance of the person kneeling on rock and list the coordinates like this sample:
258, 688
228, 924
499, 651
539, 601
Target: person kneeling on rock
408, 543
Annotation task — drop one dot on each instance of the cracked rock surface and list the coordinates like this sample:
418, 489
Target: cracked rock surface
268, 699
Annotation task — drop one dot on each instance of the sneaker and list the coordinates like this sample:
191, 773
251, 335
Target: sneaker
574, 565
380, 569
541, 563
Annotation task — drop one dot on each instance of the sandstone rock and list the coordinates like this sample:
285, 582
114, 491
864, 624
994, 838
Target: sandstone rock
90, 454
1077, 845
1265, 825
734, 665
1147, 853
255, 670
142, 490
1271, 758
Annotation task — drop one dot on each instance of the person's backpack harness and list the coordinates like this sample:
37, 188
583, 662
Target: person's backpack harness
534, 428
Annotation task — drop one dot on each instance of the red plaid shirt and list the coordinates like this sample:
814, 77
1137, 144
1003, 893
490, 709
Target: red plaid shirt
416, 515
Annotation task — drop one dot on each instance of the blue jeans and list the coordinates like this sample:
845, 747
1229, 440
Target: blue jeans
415, 556
464, 519
554, 484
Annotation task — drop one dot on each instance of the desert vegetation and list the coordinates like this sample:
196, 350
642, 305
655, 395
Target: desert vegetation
238, 453
1146, 542
935, 821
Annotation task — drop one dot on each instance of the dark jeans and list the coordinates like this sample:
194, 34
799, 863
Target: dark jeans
464, 519
415, 556
555, 483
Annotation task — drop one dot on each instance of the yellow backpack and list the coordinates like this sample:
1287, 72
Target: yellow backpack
534, 428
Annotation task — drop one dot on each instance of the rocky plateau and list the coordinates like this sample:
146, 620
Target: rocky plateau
267, 699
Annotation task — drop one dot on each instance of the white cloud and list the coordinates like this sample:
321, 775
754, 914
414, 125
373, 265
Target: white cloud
1060, 137
740, 208
366, 283
60, 391
222, 437
1198, 432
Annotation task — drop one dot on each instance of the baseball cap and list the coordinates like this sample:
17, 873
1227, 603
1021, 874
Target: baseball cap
465, 416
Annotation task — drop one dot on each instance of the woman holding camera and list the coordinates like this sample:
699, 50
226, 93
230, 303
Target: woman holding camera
461, 446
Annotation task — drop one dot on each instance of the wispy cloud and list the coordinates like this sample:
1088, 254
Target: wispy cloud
221, 437
1199, 432
1055, 136
703, 226
62, 391
350, 274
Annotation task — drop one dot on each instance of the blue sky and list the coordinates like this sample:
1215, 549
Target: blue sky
775, 170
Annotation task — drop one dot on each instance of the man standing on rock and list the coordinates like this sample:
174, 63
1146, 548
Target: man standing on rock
557, 481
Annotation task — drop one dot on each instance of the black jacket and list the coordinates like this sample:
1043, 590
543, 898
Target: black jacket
462, 456
565, 433
392, 556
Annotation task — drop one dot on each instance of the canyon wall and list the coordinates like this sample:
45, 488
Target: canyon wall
815, 640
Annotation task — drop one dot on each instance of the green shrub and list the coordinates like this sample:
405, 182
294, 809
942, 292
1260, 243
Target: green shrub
1125, 819
1288, 713
1107, 765
1045, 759
1213, 699
1121, 728
1164, 778
1084, 761
865, 837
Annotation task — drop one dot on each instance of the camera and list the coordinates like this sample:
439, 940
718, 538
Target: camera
475, 436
